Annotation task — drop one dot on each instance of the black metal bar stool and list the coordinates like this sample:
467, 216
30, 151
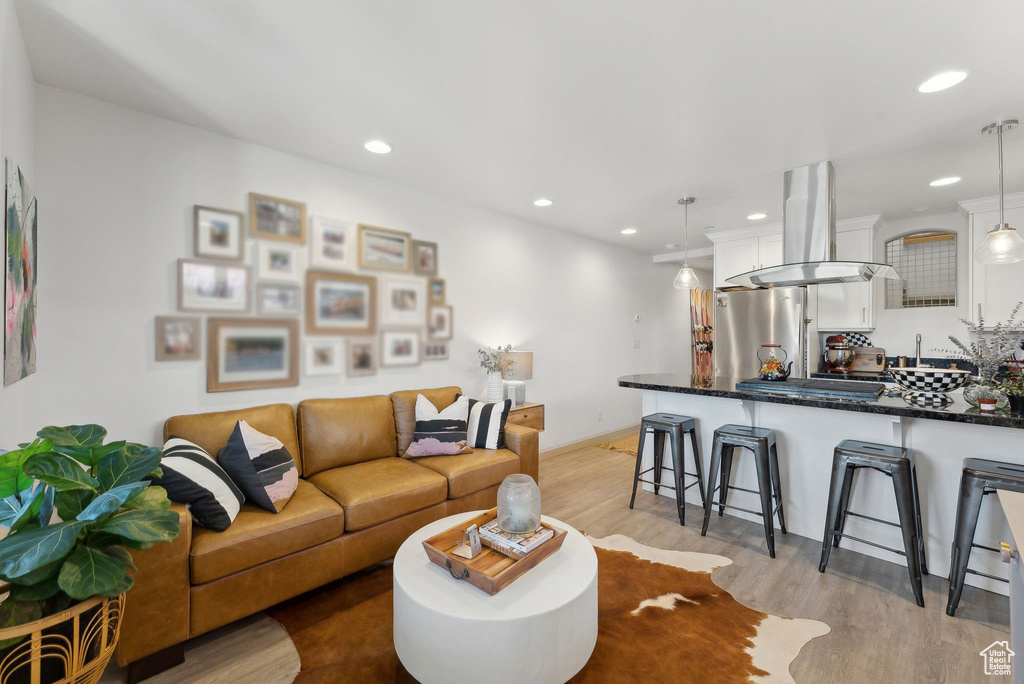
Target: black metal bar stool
761, 442
980, 477
898, 464
674, 427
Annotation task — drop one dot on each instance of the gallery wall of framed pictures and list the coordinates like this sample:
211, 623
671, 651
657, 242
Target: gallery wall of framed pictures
292, 295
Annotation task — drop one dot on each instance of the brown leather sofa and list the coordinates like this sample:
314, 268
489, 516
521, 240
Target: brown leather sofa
354, 506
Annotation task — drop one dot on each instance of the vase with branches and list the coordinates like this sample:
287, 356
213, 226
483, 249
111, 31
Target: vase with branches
989, 350
496, 361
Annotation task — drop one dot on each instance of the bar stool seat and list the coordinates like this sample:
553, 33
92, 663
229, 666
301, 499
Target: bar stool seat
762, 442
980, 477
898, 464
673, 426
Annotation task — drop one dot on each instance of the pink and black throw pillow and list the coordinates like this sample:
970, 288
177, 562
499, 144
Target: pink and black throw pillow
261, 467
439, 433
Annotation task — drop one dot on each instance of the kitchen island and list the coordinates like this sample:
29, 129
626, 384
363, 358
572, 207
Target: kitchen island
808, 429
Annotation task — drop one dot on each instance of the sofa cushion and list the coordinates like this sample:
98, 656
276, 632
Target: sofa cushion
260, 466
211, 430
405, 411
192, 477
469, 473
384, 489
340, 432
258, 536
439, 433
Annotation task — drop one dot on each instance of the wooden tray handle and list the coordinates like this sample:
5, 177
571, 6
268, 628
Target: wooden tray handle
464, 575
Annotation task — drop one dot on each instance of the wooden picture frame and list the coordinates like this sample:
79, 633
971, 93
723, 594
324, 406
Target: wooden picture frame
424, 258
207, 220
436, 291
269, 206
435, 351
377, 238
194, 283
263, 330
165, 345
388, 340
361, 356
440, 322
358, 286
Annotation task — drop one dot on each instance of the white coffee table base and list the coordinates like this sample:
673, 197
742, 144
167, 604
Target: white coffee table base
540, 628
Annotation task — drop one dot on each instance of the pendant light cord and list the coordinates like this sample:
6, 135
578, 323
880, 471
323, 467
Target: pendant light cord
999, 137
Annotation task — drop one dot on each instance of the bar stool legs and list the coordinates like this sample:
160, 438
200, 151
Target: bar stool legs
972, 491
670, 428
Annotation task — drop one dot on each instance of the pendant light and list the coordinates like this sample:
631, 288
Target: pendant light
1002, 245
686, 279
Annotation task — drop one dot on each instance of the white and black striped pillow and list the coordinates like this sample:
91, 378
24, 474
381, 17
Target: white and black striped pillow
439, 433
486, 427
193, 478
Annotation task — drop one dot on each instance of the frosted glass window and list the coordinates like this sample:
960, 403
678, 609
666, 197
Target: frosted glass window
926, 262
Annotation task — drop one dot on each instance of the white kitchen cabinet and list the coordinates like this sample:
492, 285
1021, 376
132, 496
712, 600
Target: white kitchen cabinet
997, 288
850, 306
769, 250
745, 250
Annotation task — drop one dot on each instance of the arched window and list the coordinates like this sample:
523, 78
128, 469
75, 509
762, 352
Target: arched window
927, 263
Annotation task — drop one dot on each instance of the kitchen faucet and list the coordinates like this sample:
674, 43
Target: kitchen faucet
918, 362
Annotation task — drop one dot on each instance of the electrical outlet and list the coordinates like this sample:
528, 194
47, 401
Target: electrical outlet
600, 415
636, 344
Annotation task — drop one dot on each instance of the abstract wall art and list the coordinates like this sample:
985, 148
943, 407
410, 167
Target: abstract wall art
20, 280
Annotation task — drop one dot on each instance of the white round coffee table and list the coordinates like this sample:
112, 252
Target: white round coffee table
540, 628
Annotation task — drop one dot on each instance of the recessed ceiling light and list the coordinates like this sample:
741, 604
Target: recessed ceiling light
377, 146
758, 216
542, 202
949, 180
917, 209
628, 231
947, 79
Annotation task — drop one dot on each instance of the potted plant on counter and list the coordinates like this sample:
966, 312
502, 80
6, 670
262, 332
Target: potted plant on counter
73, 507
989, 350
1013, 387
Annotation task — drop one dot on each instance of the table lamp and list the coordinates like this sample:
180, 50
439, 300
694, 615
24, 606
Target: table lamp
520, 369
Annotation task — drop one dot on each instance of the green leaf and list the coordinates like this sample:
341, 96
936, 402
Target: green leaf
28, 511
35, 592
46, 509
98, 452
14, 612
153, 497
108, 502
127, 582
124, 554
143, 526
89, 572
74, 435
41, 574
24, 552
101, 540
127, 465
12, 479
71, 503
60, 472
9, 508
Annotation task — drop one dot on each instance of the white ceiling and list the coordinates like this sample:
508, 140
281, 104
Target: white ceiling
612, 109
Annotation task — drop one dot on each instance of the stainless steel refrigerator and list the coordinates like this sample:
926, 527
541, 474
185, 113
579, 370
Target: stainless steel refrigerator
746, 319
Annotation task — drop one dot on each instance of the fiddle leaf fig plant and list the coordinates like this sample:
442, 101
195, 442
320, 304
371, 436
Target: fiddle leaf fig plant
105, 506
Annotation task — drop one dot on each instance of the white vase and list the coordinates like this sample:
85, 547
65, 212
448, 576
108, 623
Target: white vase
494, 388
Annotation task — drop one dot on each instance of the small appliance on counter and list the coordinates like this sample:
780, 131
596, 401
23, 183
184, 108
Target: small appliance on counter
772, 367
839, 354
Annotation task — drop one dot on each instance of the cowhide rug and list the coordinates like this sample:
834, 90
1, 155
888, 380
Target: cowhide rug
660, 619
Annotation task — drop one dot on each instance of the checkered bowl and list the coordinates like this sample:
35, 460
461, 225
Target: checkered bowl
930, 380
927, 399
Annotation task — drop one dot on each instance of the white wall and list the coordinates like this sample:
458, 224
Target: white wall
116, 190
17, 119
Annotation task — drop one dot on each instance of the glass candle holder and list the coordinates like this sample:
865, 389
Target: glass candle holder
519, 504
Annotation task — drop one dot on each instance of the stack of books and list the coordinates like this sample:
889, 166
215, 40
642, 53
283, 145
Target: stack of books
514, 545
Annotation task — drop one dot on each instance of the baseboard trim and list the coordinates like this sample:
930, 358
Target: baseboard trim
590, 441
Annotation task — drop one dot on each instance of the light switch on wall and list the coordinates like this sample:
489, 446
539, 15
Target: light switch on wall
636, 344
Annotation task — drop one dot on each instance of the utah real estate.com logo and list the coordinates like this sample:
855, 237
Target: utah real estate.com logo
998, 657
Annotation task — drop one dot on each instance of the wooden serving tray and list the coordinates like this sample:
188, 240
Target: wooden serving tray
491, 570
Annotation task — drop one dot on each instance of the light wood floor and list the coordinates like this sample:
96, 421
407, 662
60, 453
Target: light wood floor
878, 633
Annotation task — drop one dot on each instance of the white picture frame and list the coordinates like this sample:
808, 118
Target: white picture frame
214, 286
278, 299
277, 262
403, 301
332, 244
322, 358
400, 348
435, 351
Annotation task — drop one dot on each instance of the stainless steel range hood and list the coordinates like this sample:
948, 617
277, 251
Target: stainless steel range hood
809, 236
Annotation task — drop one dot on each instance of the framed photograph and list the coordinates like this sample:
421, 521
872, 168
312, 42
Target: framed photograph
322, 358
439, 323
435, 351
362, 356
273, 299
178, 338
213, 286
274, 218
251, 353
383, 248
399, 348
340, 304
219, 233
437, 295
424, 258
330, 244
403, 301
277, 262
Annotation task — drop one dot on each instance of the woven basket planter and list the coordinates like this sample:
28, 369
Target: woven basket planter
71, 647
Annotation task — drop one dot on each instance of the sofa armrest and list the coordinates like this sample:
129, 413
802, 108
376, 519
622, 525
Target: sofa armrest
526, 443
156, 613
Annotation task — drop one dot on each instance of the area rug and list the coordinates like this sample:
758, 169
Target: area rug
660, 619
626, 445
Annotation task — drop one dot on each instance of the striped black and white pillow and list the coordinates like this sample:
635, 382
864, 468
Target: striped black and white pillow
486, 428
439, 433
193, 478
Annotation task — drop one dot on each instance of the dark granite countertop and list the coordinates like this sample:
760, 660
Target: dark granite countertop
958, 411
